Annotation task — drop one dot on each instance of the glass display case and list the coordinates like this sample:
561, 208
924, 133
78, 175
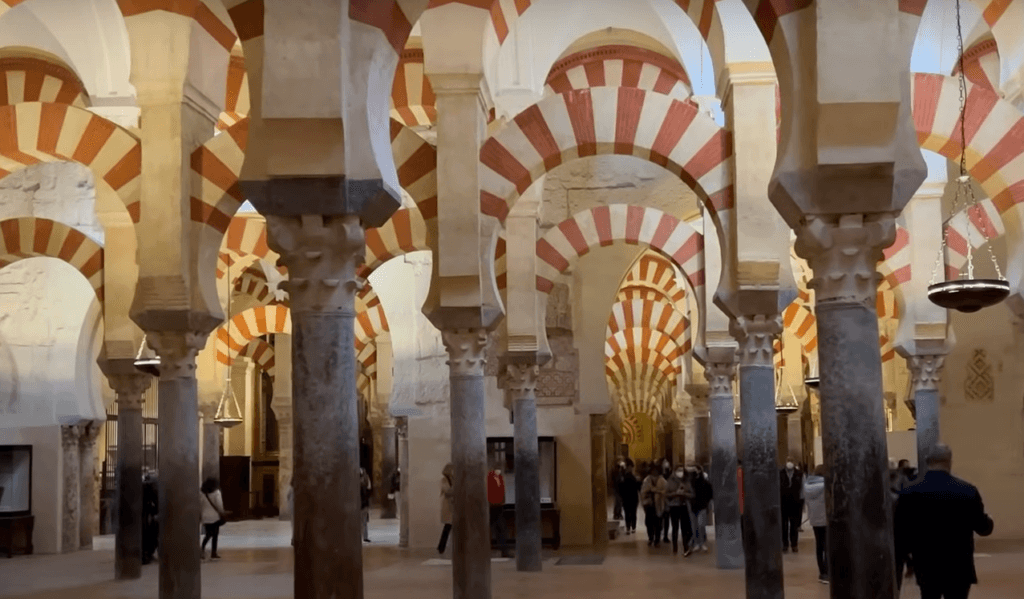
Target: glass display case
501, 452
15, 480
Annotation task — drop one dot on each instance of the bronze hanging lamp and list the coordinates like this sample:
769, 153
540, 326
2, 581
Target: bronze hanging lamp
146, 359
965, 294
228, 413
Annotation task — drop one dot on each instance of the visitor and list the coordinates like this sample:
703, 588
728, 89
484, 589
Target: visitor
678, 493
702, 495
496, 499
395, 492
666, 473
447, 489
814, 494
652, 497
936, 519
617, 473
365, 489
628, 488
791, 487
150, 518
213, 515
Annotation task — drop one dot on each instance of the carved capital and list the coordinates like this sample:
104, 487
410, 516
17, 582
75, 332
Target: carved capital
403, 427
844, 253
466, 351
522, 379
720, 376
756, 334
177, 351
321, 254
88, 432
926, 372
129, 389
69, 436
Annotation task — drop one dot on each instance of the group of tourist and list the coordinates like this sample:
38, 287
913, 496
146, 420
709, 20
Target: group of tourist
672, 498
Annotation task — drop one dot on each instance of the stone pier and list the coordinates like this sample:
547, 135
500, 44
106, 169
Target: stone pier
72, 504
728, 544
522, 382
599, 479
89, 495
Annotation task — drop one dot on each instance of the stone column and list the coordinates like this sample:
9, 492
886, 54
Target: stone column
728, 545
89, 519
843, 253
702, 440
471, 552
522, 384
403, 468
926, 371
322, 254
178, 478
282, 406
211, 442
762, 518
389, 461
599, 480
129, 384
71, 479
782, 449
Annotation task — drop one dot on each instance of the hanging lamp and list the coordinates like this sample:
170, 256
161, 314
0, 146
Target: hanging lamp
786, 405
966, 294
228, 413
146, 360
812, 379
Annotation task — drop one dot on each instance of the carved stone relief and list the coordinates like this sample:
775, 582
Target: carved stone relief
979, 384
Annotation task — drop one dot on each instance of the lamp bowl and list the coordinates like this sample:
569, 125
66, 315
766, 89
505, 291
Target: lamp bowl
968, 295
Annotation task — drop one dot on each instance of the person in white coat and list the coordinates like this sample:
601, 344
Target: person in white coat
814, 494
213, 514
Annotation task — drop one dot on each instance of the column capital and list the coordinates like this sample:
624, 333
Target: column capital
129, 388
322, 254
467, 353
177, 351
208, 411
926, 371
599, 424
89, 431
844, 251
720, 376
755, 335
69, 436
522, 379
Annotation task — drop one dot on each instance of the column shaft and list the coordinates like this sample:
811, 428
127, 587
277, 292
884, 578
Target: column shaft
327, 515
522, 383
782, 422
89, 496
728, 545
927, 372
861, 559
211, 448
389, 462
71, 512
128, 538
599, 479
702, 442
471, 551
403, 468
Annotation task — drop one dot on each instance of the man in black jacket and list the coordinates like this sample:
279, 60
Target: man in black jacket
791, 486
936, 518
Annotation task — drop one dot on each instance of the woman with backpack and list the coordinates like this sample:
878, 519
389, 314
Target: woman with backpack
628, 487
213, 515
652, 497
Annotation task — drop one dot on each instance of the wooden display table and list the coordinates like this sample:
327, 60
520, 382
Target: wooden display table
16, 533
550, 525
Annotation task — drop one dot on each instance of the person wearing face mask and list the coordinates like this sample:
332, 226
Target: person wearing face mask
652, 497
702, 494
617, 472
791, 485
666, 473
496, 497
679, 492
628, 488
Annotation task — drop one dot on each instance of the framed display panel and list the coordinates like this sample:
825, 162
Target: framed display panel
15, 480
501, 453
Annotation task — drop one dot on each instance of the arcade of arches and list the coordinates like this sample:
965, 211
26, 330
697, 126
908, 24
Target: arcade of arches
530, 235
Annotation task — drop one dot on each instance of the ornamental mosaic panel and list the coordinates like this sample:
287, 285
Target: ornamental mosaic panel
979, 385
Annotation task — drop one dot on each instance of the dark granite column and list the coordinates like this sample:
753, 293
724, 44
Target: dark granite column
762, 518
71, 483
403, 468
89, 520
782, 425
129, 384
843, 255
522, 383
322, 254
927, 372
728, 545
178, 462
211, 442
389, 462
599, 480
471, 535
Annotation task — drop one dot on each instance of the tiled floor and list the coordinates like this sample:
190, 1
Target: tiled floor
258, 561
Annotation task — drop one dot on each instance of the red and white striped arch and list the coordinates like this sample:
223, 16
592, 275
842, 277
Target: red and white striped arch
644, 290
619, 66
413, 102
649, 314
236, 98
981, 64
634, 225
262, 354
30, 79
234, 335
404, 232
34, 132
657, 270
216, 166
32, 237
253, 282
621, 121
416, 163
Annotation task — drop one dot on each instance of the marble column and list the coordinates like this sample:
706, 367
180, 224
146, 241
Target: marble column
389, 461
403, 469
282, 406
522, 384
322, 254
702, 440
762, 516
926, 371
89, 519
471, 535
843, 254
71, 483
599, 480
178, 462
728, 545
129, 384
211, 442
